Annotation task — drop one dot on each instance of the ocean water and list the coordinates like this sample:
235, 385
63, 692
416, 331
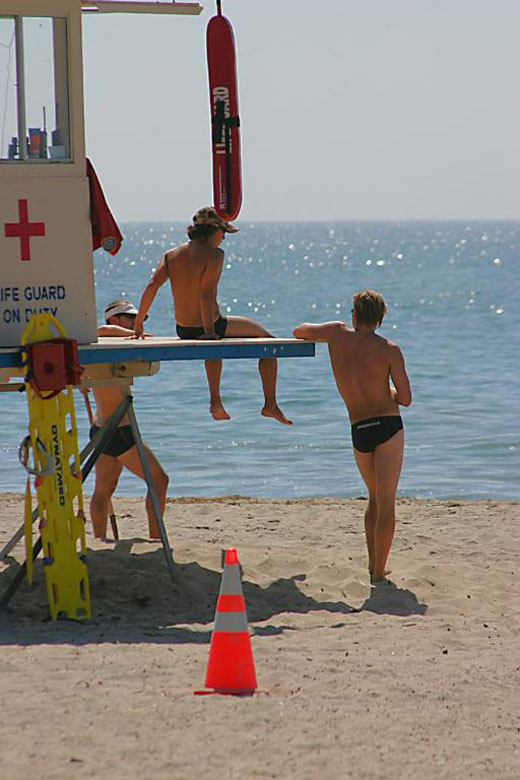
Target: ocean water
453, 306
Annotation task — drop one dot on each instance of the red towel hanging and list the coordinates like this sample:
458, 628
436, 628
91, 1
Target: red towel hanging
105, 232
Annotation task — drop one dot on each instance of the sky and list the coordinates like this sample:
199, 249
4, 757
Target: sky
350, 110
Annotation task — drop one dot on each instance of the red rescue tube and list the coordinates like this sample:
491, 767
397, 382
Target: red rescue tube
225, 122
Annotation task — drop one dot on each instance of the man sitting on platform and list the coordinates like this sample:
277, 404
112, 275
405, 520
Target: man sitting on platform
121, 449
194, 270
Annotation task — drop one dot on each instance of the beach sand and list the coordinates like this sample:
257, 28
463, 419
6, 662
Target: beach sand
419, 679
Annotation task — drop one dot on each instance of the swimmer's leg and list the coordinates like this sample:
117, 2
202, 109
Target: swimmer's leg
246, 328
366, 467
388, 459
132, 461
108, 471
213, 372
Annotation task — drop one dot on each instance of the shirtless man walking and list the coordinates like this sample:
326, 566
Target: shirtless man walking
121, 449
193, 270
363, 363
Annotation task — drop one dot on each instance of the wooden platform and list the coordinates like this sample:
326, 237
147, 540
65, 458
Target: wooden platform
157, 349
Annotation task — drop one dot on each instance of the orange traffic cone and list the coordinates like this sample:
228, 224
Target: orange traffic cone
231, 668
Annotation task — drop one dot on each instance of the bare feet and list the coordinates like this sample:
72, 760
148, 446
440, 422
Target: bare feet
276, 413
218, 412
373, 580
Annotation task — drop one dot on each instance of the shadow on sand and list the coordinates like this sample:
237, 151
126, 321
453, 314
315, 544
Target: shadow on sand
387, 599
134, 600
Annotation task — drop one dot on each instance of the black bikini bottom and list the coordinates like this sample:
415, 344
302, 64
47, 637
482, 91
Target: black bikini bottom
193, 333
367, 434
121, 440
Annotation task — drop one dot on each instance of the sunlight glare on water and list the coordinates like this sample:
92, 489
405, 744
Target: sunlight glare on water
452, 307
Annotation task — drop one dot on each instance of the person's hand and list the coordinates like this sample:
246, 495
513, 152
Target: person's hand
208, 337
138, 330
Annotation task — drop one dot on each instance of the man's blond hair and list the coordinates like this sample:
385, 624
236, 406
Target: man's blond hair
370, 307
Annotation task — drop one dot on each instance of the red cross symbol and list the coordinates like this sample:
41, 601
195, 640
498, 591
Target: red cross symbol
24, 230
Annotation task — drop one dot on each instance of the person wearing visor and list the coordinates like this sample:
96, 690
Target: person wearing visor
120, 451
119, 318
193, 270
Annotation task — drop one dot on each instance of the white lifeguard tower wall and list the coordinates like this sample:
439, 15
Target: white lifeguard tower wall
46, 257
45, 199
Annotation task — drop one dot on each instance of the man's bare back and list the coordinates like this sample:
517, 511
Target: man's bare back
363, 364
187, 266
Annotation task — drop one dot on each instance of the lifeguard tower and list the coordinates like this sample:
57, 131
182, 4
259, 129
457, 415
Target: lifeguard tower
47, 233
45, 225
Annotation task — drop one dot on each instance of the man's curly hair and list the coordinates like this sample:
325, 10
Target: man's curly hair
201, 232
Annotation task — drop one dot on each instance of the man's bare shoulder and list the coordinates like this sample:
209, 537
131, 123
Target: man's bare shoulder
175, 251
392, 349
212, 258
197, 251
338, 329
322, 331
392, 345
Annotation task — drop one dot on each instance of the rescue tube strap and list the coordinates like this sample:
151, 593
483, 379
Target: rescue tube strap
23, 457
222, 126
222, 123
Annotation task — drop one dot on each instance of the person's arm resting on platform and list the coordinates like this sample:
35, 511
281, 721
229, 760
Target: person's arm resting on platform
402, 392
324, 331
208, 293
114, 330
159, 277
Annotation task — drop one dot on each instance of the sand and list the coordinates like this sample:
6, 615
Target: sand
419, 679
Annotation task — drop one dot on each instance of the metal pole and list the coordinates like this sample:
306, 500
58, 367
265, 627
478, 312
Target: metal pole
151, 488
20, 88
